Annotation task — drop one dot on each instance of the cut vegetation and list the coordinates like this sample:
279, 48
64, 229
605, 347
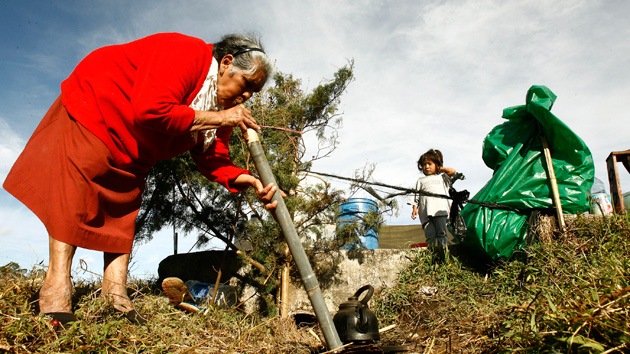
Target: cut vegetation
566, 293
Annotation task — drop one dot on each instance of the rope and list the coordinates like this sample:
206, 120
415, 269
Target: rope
406, 190
460, 198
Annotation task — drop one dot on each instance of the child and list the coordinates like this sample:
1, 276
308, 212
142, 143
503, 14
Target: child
433, 211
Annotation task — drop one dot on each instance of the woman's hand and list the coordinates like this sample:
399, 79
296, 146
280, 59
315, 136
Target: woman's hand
264, 193
237, 116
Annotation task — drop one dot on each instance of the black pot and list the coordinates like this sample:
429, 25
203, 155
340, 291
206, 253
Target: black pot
354, 321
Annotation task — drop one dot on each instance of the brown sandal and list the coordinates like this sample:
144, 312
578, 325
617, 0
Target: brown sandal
176, 291
190, 308
60, 320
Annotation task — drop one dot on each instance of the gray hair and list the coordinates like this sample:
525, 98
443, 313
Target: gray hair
248, 52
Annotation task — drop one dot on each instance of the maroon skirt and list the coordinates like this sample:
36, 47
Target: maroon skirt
65, 175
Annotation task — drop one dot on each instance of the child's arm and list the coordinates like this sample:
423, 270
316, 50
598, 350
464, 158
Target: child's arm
414, 212
448, 170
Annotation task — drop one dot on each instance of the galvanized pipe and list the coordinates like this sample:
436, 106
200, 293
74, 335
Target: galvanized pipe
281, 214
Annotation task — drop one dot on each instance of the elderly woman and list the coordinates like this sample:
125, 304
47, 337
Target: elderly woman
124, 108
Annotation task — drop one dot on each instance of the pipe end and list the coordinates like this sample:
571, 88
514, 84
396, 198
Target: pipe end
252, 136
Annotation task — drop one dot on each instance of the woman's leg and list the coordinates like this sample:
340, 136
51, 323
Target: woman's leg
115, 280
56, 292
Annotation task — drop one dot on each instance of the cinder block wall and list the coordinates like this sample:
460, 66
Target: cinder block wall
379, 268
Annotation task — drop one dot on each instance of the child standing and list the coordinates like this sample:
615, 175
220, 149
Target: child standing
433, 211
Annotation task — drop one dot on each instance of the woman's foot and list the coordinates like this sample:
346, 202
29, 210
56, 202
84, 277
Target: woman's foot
114, 287
55, 297
55, 304
123, 305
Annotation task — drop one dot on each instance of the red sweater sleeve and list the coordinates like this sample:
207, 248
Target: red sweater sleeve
215, 163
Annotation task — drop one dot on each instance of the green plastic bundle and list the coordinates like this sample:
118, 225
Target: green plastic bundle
496, 217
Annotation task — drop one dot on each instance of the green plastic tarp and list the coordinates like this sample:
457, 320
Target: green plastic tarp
497, 216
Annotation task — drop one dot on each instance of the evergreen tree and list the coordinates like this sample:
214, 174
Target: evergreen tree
177, 195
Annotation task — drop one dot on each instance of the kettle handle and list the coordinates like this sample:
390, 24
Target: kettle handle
368, 296
363, 325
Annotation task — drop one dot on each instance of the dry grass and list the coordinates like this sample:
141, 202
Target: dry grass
567, 293
168, 331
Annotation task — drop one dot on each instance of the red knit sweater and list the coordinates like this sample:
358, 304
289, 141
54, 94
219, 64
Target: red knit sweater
135, 98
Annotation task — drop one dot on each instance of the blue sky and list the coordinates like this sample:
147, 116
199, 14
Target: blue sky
429, 74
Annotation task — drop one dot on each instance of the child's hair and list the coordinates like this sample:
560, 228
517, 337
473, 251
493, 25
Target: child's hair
432, 155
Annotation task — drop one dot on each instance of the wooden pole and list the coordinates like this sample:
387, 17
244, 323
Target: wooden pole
552, 181
284, 283
215, 291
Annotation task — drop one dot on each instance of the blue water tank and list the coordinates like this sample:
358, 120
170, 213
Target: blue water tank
353, 211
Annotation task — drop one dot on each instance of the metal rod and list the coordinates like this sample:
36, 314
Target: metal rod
282, 216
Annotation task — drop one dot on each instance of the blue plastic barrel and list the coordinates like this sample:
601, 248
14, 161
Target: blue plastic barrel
353, 211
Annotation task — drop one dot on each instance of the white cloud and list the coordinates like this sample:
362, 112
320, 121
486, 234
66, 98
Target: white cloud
429, 74
11, 145
443, 79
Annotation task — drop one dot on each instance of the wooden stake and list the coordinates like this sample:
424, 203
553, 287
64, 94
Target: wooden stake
552, 181
284, 284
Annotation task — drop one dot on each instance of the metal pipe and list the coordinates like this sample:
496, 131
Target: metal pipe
281, 214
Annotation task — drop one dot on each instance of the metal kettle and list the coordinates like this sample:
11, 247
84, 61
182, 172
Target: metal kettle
354, 321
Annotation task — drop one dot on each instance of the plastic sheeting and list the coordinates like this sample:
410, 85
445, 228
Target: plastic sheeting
497, 216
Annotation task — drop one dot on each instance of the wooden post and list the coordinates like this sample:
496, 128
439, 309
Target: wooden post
284, 283
613, 178
552, 181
